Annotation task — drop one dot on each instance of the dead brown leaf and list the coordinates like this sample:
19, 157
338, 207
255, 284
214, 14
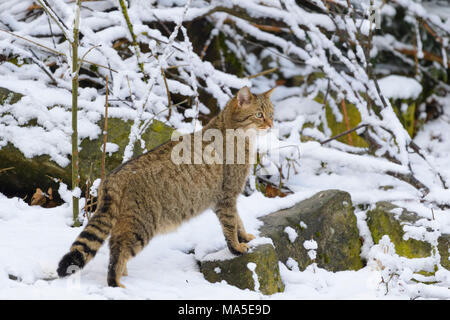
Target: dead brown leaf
34, 6
272, 192
39, 198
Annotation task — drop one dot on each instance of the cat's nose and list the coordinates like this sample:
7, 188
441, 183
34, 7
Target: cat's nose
270, 123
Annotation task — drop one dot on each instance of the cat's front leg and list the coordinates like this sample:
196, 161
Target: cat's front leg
229, 220
243, 236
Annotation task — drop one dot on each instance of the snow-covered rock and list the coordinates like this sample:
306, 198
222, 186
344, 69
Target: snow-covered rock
257, 270
331, 230
388, 219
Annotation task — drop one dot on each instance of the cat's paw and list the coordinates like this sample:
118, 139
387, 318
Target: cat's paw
238, 248
246, 237
242, 248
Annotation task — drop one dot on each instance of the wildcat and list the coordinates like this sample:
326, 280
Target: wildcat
150, 194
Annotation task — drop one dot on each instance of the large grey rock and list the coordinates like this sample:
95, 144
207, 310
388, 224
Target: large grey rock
235, 271
329, 220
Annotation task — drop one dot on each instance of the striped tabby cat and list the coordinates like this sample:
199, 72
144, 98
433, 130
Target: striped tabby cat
150, 194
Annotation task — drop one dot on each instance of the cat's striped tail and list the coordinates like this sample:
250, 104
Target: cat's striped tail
90, 239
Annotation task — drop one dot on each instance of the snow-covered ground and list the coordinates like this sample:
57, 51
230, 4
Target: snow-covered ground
33, 239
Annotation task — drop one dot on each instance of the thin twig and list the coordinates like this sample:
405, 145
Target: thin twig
178, 66
417, 150
51, 32
262, 73
325, 99
299, 62
164, 42
6, 169
87, 193
56, 15
416, 55
91, 204
57, 180
130, 91
75, 86
426, 55
347, 122
344, 133
169, 99
133, 38
430, 30
162, 24
207, 44
55, 18
181, 102
105, 131
33, 42
269, 28
43, 67
55, 51
85, 55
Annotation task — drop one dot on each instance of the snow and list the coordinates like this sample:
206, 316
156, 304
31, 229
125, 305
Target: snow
292, 234
111, 148
174, 273
224, 254
394, 271
252, 267
33, 239
399, 87
310, 245
94, 187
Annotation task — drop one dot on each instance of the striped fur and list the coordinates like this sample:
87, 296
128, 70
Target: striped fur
90, 239
150, 195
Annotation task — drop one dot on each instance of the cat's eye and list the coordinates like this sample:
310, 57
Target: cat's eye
259, 115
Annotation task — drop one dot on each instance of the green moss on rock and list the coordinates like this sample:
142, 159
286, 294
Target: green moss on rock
382, 221
236, 272
405, 115
330, 221
9, 97
444, 247
354, 119
29, 174
233, 64
118, 133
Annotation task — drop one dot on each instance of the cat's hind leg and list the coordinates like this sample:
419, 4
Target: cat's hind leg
125, 271
127, 240
117, 263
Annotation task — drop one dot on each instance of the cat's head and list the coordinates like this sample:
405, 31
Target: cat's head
252, 111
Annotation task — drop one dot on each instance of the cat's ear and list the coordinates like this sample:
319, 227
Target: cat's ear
268, 93
244, 97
